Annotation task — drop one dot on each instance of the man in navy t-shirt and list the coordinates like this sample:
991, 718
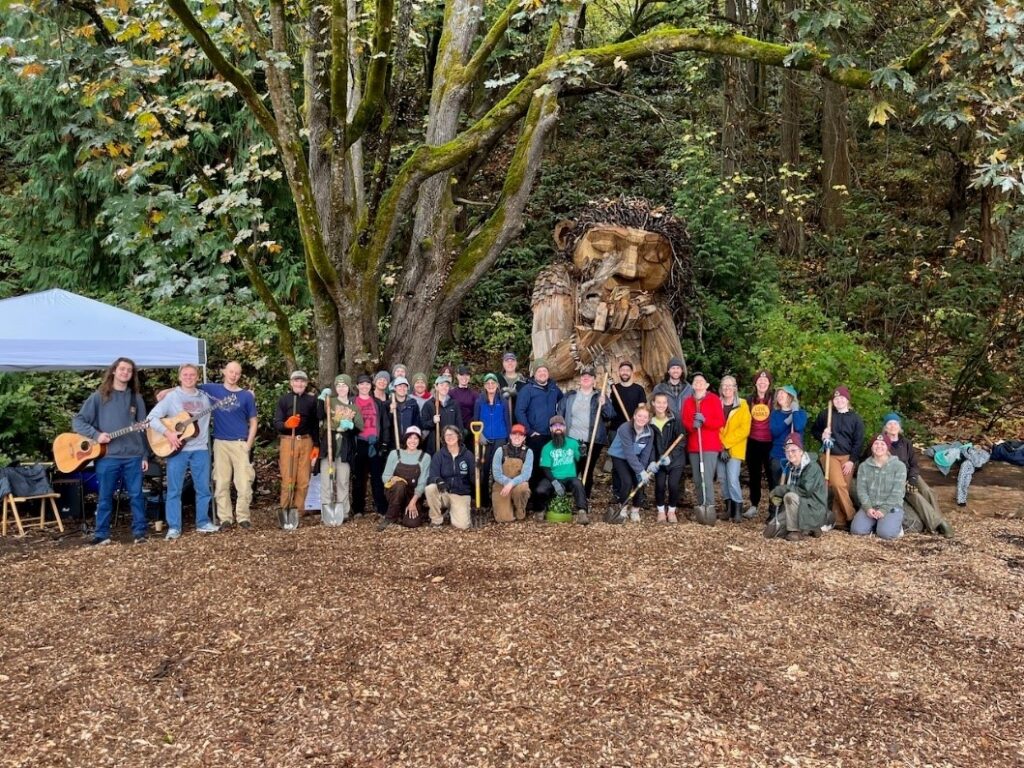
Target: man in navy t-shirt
234, 430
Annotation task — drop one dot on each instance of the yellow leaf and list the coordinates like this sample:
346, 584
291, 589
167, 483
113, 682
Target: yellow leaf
998, 156
32, 70
879, 114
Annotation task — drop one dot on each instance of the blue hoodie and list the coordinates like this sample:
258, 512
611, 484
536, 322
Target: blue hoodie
536, 404
637, 450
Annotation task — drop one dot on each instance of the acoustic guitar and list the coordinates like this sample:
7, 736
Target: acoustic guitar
72, 451
184, 424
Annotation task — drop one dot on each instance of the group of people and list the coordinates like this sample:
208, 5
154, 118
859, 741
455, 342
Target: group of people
420, 455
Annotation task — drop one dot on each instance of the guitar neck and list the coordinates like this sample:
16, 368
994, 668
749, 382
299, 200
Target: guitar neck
125, 430
219, 404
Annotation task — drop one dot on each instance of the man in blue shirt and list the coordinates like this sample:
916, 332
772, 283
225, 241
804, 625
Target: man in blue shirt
234, 430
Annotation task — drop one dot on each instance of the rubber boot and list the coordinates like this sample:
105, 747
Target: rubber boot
737, 511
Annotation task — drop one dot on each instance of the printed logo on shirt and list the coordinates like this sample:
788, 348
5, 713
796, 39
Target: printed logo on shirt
464, 467
760, 412
562, 456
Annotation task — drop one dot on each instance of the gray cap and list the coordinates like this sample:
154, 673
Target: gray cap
298, 375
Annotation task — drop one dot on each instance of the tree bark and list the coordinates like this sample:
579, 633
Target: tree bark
835, 152
994, 237
791, 229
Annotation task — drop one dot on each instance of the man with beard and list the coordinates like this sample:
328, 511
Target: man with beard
674, 386
439, 412
630, 395
558, 460
581, 409
536, 404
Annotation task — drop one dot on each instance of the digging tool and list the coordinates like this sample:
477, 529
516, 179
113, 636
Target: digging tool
437, 424
705, 512
394, 421
329, 506
596, 353
828, 451
285, 515
477, 428
615, 515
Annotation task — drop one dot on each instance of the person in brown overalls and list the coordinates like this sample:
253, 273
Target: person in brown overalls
405, 478
512, 466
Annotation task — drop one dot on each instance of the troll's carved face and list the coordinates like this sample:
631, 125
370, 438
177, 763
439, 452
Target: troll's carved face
627, 257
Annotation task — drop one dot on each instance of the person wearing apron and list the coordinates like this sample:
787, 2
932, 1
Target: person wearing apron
405, 477
512, 466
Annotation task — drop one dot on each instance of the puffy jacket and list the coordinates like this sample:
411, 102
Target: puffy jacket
736, 430
456, 471
535, 406
564, 409
710, 407
637, 450
781, 430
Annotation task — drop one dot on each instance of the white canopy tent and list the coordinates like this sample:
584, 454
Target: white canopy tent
57, 330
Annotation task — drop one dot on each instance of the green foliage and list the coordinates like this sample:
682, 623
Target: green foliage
800, 346
35, 408
560, 505
736, 277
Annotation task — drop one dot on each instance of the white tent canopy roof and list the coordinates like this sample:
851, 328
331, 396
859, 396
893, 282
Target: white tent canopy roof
57, 330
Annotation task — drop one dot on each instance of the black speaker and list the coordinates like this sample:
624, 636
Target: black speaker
72, 498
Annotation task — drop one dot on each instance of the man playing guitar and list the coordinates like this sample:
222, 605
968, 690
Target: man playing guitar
115, 405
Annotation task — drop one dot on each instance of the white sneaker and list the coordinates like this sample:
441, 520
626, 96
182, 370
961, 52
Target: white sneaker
172, 534
634, 515
208, 528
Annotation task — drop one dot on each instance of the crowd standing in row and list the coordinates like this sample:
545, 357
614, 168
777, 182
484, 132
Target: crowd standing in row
424, 454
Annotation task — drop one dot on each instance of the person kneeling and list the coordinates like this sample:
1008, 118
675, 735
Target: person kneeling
512, 466
405, 479
450, 484
880, 483
802, 494
558, 463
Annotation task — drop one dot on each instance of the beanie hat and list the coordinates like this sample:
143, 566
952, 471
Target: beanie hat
419, 377
539, 363
343, 378
841, 392
891, 416
556, 419
674, 362
790, 390
794, 438
382, 375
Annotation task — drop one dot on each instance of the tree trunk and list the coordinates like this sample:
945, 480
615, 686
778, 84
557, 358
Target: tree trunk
994, 237
791, 229
732, 110
835, 151
958, 201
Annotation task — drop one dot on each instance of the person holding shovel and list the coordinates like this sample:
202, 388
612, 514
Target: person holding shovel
734, 448
703, 418
581, 408
404, 406
439, 412
632, 452
296, 421
342, 422
841, 432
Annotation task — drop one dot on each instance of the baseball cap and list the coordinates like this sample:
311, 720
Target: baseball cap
299, 375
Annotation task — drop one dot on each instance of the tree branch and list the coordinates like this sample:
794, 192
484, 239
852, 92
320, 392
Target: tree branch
376, 75
490, 42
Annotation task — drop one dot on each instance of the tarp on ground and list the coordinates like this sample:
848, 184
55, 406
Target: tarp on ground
57, 330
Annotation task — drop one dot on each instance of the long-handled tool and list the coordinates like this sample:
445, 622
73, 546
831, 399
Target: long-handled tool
394, 420
593, 432
437, 424
615, 515
329, 517
477, 428
705, 512
828, 451
285, 516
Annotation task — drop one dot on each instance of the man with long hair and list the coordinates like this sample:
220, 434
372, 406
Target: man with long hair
115, 405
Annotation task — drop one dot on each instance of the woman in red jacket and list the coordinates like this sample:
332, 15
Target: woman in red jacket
703, 417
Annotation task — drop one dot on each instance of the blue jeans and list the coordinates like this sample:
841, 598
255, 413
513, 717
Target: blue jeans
729, 479
111, 471
198, 463
890, 526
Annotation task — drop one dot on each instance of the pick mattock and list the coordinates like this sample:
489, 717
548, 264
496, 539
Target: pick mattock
477, 428
598, 354
437, 424
284, 517
619, 515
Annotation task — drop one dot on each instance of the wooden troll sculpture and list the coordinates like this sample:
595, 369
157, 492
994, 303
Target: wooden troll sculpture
608, 291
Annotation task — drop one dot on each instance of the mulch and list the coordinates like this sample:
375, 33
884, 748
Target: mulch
527, 644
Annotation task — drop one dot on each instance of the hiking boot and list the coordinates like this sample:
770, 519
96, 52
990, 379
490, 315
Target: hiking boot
538, 517
384, 523
814, 533
795, 536
582, 518
226, 526
751, 512
944, 529
672, 516
245, 525
100, 542
634, 515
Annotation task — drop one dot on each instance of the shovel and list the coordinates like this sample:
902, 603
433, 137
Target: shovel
705, 512
477, 428
616, 515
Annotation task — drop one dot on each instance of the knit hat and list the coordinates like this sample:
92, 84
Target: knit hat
364, 378
382, 375
841, 392
676, 361
396, 366
891, 416
556, 420
794, 438
419, 377
518, 429
298, 375
880, 438
490, 377
463, 370
399, 380
343, 378
539, 363
790, 390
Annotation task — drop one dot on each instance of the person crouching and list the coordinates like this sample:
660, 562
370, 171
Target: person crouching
558, 460
881, 480
405, 479
802, 495
450, 483
512, 466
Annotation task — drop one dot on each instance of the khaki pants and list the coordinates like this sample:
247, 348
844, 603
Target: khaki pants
791, 503
295, 469
842, 505
335, 507
511, 507
457, 506
231, 461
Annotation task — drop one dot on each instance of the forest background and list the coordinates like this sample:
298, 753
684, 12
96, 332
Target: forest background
335, 185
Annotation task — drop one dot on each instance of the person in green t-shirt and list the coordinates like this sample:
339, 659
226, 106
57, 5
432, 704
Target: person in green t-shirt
558, 464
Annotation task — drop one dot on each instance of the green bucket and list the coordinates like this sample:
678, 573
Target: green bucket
552, 516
